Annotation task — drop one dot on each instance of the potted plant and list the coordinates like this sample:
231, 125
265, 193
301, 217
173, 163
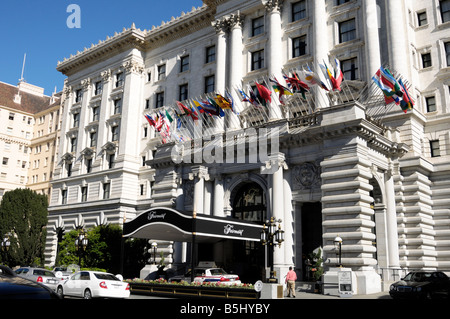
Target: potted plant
317, 268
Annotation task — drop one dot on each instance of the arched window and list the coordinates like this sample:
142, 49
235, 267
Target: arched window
250, 203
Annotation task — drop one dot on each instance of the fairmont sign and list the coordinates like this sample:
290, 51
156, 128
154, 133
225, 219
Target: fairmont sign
229, 229
155, 215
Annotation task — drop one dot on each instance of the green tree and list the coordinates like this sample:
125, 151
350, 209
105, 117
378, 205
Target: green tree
23, 217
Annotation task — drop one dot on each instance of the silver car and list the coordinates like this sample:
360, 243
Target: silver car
43, 276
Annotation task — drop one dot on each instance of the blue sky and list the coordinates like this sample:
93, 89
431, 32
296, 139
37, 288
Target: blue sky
39, 29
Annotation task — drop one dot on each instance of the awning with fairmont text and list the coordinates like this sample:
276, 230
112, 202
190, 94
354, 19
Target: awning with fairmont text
170, 224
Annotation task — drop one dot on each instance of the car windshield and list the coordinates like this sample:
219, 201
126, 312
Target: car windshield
418, 276
22, 271
43, 272
106, 276
218, 271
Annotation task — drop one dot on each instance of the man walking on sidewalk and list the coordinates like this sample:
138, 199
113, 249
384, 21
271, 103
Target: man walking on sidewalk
291, 277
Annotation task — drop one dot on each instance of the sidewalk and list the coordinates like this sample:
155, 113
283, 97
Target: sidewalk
310, 295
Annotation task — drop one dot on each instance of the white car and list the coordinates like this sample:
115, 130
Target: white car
217, 275
94, 284
44, 276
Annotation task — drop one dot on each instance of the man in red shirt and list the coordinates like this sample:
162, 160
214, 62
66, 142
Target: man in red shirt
291, 277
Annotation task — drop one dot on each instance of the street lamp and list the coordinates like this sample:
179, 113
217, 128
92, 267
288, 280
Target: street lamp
5, 243
155, 246
272, 236
338, 248
81, 243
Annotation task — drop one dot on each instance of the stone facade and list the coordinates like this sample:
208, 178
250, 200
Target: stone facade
379, 175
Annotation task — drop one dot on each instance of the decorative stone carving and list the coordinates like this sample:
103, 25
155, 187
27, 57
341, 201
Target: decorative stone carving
236, 20
274, 5
133, 67
306, 176
106, 75
188, 190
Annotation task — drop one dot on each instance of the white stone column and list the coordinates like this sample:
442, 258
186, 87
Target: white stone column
397, 45
372, 40
274, 168
320, 42
219, 194
199, 175
391, 222
274, 56
236, 22
221, 63
288, 220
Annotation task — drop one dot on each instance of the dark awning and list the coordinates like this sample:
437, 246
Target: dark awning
170, 224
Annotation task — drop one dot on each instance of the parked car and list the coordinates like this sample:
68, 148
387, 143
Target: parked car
204, 275
421, 284
62, 272
93, 284
15, 287
43, 276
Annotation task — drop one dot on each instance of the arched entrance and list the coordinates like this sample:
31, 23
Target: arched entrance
249, 204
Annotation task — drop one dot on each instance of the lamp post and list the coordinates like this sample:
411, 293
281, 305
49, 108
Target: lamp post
155, 246
271, 235
5, 245
81, 243
338, 248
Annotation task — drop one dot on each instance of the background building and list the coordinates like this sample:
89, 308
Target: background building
346, 163
28, 134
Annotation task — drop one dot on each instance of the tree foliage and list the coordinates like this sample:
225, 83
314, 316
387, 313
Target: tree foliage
23, 218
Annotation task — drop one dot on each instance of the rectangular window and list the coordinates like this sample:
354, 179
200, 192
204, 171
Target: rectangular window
159, 99
426, 60
64, 196
422, 18
69, 169
106, 190
435, 149
76, 120
183, 92
161, 72
445, 10
257, 26
431, 104
73, 144
184, 64
5, 161
339, 2
119, 79
11, 116
111, 160
299, 46
257, 60
93, 139
447, 52
118, 106
350, 69
84, 193
115, 133
88, 165
209, 83
98, 88
78, 95
210, 54
347, 30
95, 113
299, 10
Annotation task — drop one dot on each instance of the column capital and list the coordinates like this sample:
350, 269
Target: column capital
201, 172
133, 67
274, 163
274, 5
236, 20
221, 25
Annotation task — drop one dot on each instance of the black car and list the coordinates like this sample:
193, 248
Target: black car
15, 287
421, 285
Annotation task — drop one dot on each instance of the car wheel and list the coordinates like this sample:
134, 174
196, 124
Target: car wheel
87, 294
60, 292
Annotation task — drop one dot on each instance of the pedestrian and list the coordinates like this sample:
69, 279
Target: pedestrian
291, 277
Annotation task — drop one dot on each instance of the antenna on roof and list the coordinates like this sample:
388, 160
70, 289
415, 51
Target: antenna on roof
23, 68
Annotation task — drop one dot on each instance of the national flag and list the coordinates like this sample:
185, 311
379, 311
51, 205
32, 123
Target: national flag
282, 91
336, 78
169, 117
219, 111
313, 79
296, 84
150, 120
406, 103
198, 106
253, 98
230, 99
209, 108
264, 93
386, 83
185, 110
222, 102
